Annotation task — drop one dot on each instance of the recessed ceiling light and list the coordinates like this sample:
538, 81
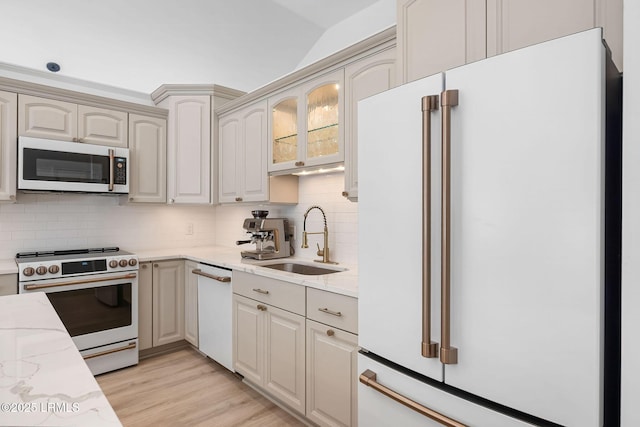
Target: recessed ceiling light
53, 67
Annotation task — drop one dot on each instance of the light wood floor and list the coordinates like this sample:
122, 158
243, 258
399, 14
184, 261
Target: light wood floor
184, 388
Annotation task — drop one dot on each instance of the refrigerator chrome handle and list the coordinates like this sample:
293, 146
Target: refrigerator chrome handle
429, 348
448, 354
369, 378
111, 166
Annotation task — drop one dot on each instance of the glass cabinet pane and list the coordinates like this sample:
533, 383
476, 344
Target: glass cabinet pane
285, 131
322, 121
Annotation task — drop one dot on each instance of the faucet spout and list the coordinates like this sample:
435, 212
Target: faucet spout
324, 252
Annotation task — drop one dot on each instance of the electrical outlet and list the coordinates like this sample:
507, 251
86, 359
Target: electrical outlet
189, 228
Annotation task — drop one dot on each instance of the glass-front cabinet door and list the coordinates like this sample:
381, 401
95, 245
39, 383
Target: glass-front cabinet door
305, 125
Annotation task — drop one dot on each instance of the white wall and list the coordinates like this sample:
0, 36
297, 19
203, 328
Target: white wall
630, 416
366, 23
67, 221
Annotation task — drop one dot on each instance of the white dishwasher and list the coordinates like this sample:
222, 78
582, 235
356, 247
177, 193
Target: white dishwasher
214, 313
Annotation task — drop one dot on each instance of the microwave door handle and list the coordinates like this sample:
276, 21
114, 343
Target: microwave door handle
111, 166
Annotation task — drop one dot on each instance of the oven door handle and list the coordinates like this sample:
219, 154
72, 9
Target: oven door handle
78, 282
115, 350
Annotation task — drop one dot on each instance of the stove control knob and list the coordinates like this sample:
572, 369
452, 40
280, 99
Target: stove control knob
123, 263
133, 262
53, 269
41, 270
113, 263
29, 271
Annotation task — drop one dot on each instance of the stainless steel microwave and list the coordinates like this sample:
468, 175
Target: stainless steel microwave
51, 165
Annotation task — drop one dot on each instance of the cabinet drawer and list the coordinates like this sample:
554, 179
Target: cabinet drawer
336, 310
287, 296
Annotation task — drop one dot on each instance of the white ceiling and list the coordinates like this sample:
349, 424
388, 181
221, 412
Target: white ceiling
141, 44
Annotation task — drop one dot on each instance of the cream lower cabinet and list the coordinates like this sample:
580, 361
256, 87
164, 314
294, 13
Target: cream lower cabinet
269, 336
8, 284
161, 303
437, 35
8, 148
270, 350
190, 303
48, 118
148, 159
331, 375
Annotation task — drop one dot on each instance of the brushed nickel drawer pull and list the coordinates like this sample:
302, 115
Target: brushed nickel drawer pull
333, 313
261, 291
369, 378
79, 282
199, 272
115, 350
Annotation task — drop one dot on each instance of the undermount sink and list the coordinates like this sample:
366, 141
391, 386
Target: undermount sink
308, 270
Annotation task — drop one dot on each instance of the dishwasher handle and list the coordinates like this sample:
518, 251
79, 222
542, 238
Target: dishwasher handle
199, 272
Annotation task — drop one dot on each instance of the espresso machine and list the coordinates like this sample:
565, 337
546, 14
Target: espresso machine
270, 236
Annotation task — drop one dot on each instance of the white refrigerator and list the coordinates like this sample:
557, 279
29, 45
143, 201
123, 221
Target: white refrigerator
489, 243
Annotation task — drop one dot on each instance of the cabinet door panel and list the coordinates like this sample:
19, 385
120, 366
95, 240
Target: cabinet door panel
148, 147
255, 154
168, 302
363, 79
229, 141
248, 330
513, 24
285, 357
331, 375
102, 127
191, 303
145, 305
8, 153
189, 149
436, 35
47, 118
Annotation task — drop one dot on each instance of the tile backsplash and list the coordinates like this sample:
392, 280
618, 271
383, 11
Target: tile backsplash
65, 221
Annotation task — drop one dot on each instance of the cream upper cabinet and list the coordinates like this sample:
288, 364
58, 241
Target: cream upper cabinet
188, 149
243, 150
102, 127
436, 35
8, 148
168, 302
48, 118
364, 78
190, 303
147, 156
512, 24
305, 127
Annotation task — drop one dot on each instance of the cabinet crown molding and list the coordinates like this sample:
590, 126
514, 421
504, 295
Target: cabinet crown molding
218, 91
377, 42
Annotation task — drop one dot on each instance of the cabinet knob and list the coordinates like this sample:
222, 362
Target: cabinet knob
144, 266
171, 200
238, 199
262, 307
74, 140
131, 199
155, 265
299, 163
345, 194
330, 332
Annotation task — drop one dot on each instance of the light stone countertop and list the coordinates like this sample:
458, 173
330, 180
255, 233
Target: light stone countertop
343, 282
43, 378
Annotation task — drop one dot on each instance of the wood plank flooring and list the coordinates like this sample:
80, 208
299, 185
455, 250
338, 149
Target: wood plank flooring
184, 388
